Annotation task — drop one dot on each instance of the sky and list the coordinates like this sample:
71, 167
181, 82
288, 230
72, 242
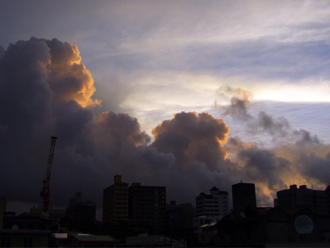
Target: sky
183, 94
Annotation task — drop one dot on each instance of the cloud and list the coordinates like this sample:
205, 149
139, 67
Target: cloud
193, 137
305, 137
68, 78
275, 127
239, 102
315, 166
46, 91
238, 109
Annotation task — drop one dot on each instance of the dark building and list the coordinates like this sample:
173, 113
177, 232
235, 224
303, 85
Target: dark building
147, 206
180, 216
249, 225
302, 197
269, 226
244, 198
115, 202
80, 211
327, 197
90, 240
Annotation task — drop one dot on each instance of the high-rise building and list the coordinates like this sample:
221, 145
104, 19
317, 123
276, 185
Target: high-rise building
79, 210
295, 197
116, 202
244, 197
147, 206
215, 204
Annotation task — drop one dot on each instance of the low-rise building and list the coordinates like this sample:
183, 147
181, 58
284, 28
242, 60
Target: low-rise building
144, 240
302, 197
180, 216
90, 240
79, 210
24, 238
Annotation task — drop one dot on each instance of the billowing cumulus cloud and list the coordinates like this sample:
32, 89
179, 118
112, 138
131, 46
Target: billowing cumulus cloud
68, 78
46, 91
193, 137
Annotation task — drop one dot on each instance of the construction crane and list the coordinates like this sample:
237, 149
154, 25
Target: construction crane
45, 190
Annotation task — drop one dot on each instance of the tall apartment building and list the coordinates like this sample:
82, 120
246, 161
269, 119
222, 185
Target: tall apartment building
295, 197
244, 197
147, 206
116, 202
212, 205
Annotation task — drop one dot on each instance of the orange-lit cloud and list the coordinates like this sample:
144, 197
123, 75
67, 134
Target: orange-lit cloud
68, 78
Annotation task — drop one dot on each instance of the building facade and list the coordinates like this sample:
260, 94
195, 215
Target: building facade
180, 216
147, 206
214, 204
116, 202
81, 211
295, 197
244, 198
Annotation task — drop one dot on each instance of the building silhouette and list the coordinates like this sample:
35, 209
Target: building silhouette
253, 226
116, 202
244, 198
302, 197
147, 206
79, 210
137, 205
215, 204
180, 216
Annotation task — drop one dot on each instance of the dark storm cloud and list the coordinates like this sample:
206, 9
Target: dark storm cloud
193, 137
24, 92
271, 169
123, 127
264, 166
46, 91
314, 166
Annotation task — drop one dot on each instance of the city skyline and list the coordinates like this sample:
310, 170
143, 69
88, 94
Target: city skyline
187, 96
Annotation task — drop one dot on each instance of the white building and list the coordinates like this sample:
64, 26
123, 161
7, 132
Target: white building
214, 205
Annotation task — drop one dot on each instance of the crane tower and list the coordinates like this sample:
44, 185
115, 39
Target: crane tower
45, 189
